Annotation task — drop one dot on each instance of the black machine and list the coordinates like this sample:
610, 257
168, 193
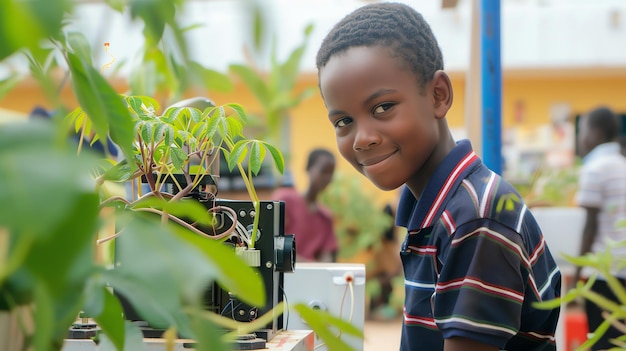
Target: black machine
275, 255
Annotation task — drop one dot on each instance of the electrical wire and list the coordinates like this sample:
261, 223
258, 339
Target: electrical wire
240, 229
225, 234
230, 303
286, 313
349, 288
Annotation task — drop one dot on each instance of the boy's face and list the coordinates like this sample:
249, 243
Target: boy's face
321, 172
386, 125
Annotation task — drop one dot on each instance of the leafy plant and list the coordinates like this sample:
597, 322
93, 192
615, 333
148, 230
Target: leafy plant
551, 187
602, 264
359, 222
52, 196
275, 90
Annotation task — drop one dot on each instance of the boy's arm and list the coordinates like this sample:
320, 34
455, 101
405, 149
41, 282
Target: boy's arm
465, 344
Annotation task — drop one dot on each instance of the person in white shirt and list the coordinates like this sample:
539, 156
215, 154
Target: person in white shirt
602, 193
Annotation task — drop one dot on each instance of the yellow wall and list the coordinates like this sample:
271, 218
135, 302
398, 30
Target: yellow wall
527, 99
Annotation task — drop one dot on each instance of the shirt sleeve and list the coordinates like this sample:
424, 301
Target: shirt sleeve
590, 187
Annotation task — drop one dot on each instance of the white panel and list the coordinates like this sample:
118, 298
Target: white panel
323, 285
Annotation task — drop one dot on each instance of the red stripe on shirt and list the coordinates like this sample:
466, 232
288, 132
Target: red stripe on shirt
443, 192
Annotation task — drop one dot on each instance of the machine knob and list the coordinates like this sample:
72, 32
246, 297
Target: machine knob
285, 251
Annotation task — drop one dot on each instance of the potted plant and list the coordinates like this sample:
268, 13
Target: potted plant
52, 197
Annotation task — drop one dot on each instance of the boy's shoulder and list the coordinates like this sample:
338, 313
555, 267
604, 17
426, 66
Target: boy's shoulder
484, 194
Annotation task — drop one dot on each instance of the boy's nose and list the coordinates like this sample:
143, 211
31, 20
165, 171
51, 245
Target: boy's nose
365, 139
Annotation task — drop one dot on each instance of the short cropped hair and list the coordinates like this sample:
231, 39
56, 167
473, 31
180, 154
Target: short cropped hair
316, 154
392, 25
604, 120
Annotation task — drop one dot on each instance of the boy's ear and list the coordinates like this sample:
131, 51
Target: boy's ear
442, 93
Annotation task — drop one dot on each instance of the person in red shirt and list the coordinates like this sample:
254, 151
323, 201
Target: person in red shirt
305, 216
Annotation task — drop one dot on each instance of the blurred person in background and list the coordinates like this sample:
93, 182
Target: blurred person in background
305, 216
602, 193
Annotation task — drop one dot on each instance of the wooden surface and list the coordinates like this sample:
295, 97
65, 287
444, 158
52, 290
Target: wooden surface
286, 340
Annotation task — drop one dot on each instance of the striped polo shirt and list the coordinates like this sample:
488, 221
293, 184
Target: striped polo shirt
474, 262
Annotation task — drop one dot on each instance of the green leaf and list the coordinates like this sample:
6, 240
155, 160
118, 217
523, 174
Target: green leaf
80, 46
323, 322
178, 116
120, 172
256, 157
235, 127
107, 311
208, 335
173, 271
44, 318
30, 153
155, 15
117, 5
212, 80
199, 130
150, 103
179, 157
161, 132
277, 156
239, 111
190, 210
103, 105
43, 18
196, 115
133, 339
136, 104
212, 125
289, 69
254, 82
258, 26
168, 135
147, 132
586, 260
303, 95
231, 272
61, 263
237, 154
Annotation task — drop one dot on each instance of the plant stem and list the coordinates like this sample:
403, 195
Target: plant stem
247, 179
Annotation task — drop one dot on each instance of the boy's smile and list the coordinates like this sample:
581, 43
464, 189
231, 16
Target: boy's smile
387, 126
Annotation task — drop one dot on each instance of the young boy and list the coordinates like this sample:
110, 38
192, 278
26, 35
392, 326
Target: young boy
474, 258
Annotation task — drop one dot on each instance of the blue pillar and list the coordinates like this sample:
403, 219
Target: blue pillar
491, 84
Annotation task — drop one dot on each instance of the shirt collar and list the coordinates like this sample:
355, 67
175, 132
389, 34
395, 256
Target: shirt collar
420, 213
610, 148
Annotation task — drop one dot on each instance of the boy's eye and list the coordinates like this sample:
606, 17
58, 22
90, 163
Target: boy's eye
383, 107
342, 122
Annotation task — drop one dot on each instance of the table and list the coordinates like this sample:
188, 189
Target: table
284, 340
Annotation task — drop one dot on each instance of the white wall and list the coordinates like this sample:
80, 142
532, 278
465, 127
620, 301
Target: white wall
535, 33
